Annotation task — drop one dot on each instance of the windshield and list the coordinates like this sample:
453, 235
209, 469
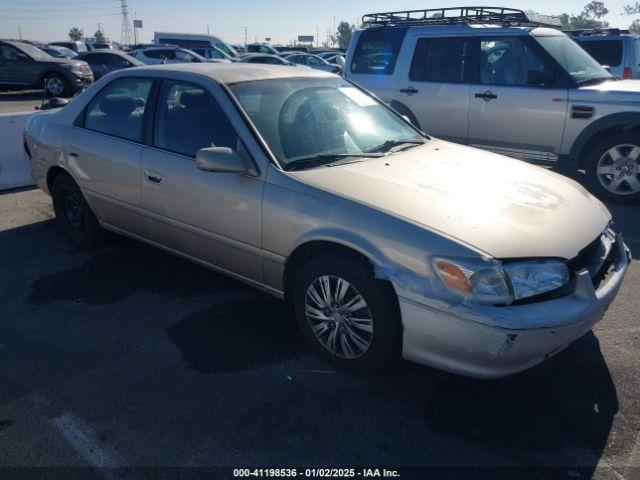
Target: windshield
578, 63
33, 52
306, 117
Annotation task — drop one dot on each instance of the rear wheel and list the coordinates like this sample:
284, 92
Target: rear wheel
347, 315
74, 216
613, 170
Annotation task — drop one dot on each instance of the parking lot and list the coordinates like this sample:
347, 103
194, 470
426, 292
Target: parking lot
129, 357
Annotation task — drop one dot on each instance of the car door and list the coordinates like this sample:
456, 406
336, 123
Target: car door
105, 149
511, 111
16, 67
434, 84
212, 217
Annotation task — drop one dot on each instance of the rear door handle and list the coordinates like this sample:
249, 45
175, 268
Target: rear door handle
487, 96
409, 90
152, 176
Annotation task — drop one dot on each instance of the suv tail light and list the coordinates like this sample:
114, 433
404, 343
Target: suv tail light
627, 74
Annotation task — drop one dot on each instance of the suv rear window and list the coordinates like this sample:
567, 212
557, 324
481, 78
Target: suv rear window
377, 51
440, 60
606, 52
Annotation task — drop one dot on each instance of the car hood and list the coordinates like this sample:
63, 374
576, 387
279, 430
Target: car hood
613, 91
64, 61
504, 207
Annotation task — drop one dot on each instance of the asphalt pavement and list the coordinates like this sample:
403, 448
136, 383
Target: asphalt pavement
20, 100
127, 362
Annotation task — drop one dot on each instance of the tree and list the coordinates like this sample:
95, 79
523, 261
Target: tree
76, 34
99, 36
635, 27
588, 18
344, 34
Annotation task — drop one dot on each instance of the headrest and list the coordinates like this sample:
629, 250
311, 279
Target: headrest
117, 104
195, 98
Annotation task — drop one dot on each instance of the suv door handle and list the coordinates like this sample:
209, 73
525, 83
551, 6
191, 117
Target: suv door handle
152, 177
409, 90
487, 96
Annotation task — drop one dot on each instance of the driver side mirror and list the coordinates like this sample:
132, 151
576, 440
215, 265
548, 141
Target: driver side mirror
222, 160
541, 78
23, 57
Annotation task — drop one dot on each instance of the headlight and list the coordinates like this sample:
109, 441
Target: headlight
494, 283
535, 277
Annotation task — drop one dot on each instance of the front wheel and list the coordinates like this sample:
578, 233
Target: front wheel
347, 315
56, 85
613, 170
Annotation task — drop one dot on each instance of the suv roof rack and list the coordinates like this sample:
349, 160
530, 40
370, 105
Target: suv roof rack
507, 17
596, 31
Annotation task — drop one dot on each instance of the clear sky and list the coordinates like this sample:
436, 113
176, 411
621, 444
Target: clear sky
282, 20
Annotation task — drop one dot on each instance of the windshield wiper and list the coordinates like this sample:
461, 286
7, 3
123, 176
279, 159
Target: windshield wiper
393, 145
326, 159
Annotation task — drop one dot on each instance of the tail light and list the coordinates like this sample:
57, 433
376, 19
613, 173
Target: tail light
627, 74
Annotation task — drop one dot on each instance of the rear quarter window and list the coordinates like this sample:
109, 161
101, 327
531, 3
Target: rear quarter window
377, 51
606, 52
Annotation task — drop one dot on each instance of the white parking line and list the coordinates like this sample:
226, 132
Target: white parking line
84, 440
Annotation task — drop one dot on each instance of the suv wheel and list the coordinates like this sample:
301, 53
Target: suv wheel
613, 170
347, 315
74, 216
56, 85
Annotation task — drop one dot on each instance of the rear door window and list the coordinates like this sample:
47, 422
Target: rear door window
118, 110
377, 51
606, 52
443, 60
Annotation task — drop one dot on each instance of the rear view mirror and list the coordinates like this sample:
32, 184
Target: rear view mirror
541, 78
221, 160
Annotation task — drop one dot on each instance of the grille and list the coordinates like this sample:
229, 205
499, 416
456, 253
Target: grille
598, 258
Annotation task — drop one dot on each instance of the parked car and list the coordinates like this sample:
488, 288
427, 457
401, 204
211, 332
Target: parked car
94, 45
58, 52
313, 61
525, 91
385, 241
167, 54
190, 41
611, 47
107, 61
23, 65
263, 58
213, 53
260, 48
76, 46
327, 54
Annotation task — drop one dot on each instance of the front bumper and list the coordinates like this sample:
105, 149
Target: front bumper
480, 342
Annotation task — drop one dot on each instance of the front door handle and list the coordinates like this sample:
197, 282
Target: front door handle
487, 96
152, 176
409, 90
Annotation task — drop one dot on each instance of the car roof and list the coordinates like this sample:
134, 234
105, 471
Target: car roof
230, 73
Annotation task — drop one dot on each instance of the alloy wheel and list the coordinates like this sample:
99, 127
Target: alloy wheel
339, 317
618, 169
55, 86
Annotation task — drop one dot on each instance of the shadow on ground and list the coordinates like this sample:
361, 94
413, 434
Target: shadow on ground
119, 271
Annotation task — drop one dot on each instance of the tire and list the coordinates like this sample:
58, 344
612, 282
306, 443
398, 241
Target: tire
366, 351
56, 85
613, 168
73, 213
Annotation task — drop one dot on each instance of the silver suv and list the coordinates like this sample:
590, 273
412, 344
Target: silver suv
491, 78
